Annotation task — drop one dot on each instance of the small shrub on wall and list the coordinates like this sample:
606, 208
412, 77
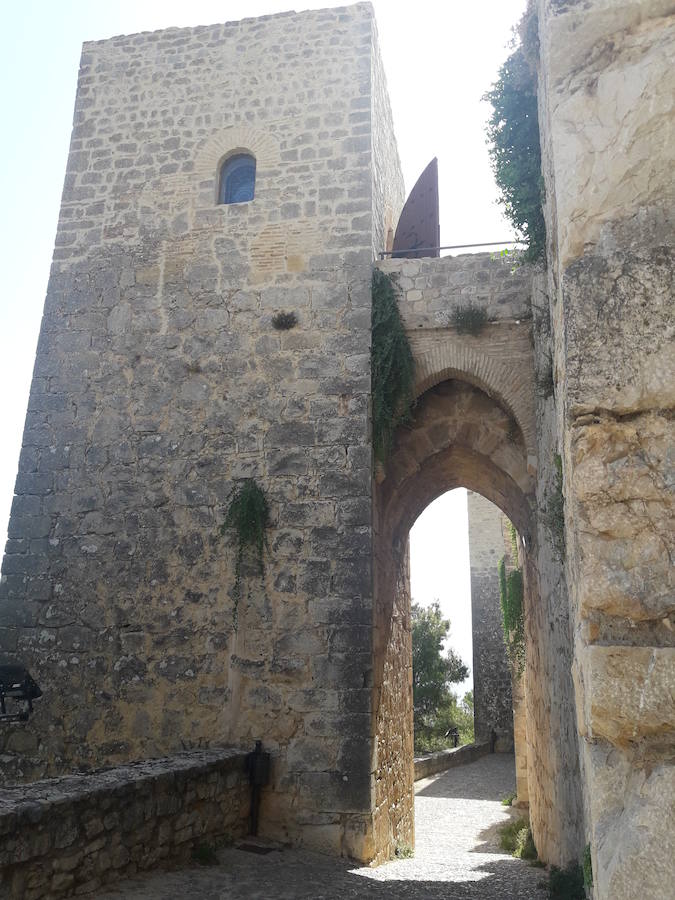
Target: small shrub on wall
469, 319
554, 511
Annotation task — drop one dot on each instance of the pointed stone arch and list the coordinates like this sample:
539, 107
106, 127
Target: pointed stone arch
451, 356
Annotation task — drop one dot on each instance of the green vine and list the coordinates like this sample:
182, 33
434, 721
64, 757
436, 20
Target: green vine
513, 537
513, 615
554, 512
587, 868
513, 142
392, 364
248, 515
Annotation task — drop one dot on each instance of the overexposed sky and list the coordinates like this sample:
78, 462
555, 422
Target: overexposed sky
439, 570
440, 56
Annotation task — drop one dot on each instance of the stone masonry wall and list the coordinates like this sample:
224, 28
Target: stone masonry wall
160, 384
71, 835
493, 705
394, 815
499, 359
554, 788
606, 88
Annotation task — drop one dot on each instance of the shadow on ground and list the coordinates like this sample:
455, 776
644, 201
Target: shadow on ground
289, 875
457, 815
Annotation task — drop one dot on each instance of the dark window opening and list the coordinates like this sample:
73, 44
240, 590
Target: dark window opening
237, 179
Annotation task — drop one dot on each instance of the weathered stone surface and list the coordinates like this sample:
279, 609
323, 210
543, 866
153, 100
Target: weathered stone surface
609, 63
632, 811
609, 218
630, 694
622, 485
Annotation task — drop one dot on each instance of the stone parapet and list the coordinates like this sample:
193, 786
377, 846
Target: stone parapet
71, 835
425, 766
433, 288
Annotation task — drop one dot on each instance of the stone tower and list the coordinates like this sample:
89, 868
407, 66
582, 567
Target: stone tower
491, 675
161, 383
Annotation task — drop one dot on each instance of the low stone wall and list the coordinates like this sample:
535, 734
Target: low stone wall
73, 834
448, 759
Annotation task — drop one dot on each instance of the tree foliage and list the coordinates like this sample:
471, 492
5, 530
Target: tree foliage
435, 706
513, 141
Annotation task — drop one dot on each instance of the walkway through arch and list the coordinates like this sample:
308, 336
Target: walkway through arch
461, 437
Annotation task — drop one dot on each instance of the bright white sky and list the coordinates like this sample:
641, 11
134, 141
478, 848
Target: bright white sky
440, 56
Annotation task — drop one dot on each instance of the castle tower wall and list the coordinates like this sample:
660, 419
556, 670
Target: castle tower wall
493, 705
160, 384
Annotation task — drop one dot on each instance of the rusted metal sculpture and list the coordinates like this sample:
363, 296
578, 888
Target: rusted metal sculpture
419, 225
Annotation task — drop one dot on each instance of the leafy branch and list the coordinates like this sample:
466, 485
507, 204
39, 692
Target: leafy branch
513, 142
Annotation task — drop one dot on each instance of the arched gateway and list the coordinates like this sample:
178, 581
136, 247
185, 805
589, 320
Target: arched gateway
473, 427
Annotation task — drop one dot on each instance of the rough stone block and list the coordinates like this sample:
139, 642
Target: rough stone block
629, 693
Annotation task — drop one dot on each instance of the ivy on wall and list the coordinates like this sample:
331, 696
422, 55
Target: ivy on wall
513, 143
248, 516
513, 615
392, 366
554, 511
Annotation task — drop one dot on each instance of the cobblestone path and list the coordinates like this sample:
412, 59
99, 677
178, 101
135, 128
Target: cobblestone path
457, 856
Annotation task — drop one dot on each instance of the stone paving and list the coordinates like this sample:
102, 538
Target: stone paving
457, 856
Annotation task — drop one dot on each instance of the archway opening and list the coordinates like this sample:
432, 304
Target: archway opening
440, 590
460, 437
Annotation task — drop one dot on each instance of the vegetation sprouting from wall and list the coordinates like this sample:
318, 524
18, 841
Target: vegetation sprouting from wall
553, 514
469, 319
513, 141
248, 516
392, 366
513, 615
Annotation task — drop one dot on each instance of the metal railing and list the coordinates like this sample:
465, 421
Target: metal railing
401, 253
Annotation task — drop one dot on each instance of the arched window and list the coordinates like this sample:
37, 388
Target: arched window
237, 179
